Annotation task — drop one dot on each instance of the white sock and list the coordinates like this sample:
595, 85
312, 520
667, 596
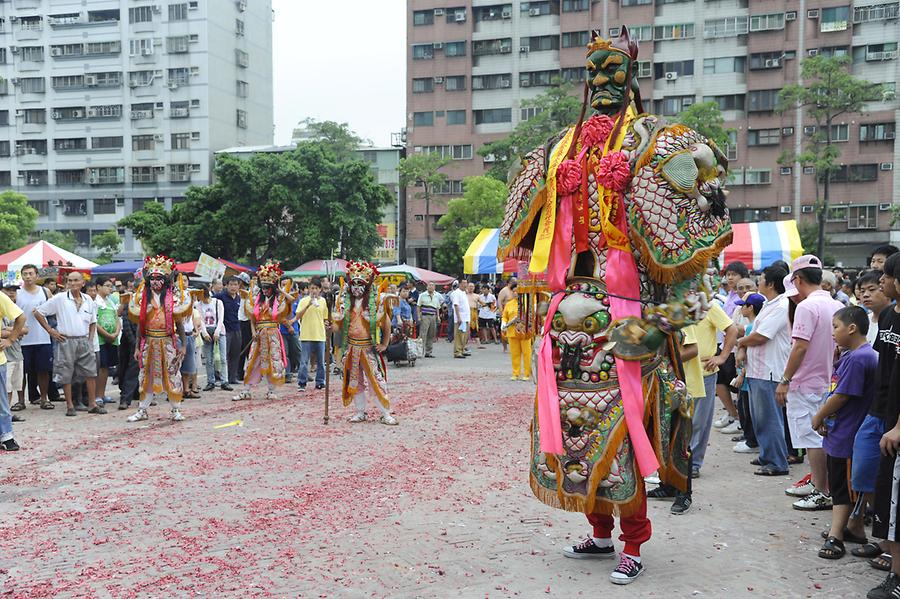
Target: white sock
636, 558
602, 543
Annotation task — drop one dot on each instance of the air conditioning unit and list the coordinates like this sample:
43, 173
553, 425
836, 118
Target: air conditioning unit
173, 85
132, 84
158, 137
889, 134
786, 170
14, 19
90, 80
809, 130
671, 75
489, 158
459, 17
56, 51
505, 83
439, 12
785, 209
525, 49
14, 81
886, 166
157, 8
438, 80
136, 115
20, 113
77, 114
505, 49
787, 131
55, 115
507, 13
614, 31
438, 45
14, 49
534, 12
812, 52
812, 13
806, 209
525, 83
93, 180
687, 102
91, 113
147, 52
772, 63
790, 15
884, 207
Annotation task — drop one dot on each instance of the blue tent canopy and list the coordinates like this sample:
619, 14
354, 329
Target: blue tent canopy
118, 268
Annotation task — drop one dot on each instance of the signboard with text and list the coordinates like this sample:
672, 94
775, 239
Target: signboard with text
209, 268
387, 252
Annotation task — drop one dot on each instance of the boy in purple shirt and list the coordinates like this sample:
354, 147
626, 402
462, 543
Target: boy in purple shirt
839, 419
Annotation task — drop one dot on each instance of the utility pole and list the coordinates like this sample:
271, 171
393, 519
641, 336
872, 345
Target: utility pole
398, 140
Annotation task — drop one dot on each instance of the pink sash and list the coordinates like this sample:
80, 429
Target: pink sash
548, 395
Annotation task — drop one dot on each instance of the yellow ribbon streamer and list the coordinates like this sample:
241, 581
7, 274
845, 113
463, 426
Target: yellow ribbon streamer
540, 257
232, 423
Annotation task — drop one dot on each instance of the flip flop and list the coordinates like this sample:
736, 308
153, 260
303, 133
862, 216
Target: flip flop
869, 551
832, 549
882, 562
849, 537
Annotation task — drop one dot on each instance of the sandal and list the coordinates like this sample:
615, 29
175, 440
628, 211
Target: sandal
869, 550
849, 537
795, 459
17, 407
882, 562
832, 549
47, 406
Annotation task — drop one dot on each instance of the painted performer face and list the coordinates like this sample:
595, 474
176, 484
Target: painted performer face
157, 282
268, 289
357, 289
607, 74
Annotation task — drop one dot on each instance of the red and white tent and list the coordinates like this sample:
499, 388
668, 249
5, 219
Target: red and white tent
40, 253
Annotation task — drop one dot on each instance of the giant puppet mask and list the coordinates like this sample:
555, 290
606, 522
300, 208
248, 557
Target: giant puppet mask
622, 213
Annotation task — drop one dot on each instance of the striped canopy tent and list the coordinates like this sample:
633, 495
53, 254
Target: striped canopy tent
422, 275
40, 253
481, 256
320, 268
760, 244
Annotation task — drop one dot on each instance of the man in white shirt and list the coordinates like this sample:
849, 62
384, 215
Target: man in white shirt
459, 303
74, 360
37, 350
487, 315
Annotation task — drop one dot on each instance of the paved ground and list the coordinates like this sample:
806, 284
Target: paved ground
283, 506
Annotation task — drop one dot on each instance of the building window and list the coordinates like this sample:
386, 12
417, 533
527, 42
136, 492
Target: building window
540, 8
830, 51
143, 174
241, 118
242, 59
728, 64
862, 217
182, 172
529, 112
875, 52
69, 113
725, 27
32, 85
457, 152
575, 5
731, 153
493, 13
727, 102
673, 32
105, 206
769, 22
423, 17
878, 12
140, 78
423, 119
492, 115
672, 105
541, 42
453, 49
765, 60
538, 78
4, 118
42, 206
31, 146
764, 137
113, 142
877, 132
840, 133
576, 74
70, 144
181, 141
455, 83
35, 116
4, 148
178, 12
180, 109
491, 47
32, 53
757, 176
635, 2
681, 68
75, 207
423, 51
498, 81
763, 100
142, 143
179, 76
178, 44
106, 175
239, 27
34, 178
575, 39
423, 85
835, 18
449, 187
106, 111
67, 82
855, 173
141, 46
140, 14
242, 89
456, 117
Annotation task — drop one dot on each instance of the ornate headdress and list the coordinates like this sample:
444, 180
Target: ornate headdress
159, 264
623, 43
365, 271
270, 273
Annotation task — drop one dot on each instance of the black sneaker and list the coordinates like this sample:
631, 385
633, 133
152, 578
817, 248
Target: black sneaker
227, 387
626, 571
322, 386
97, 410
887, 589
17, 418
9, 445
662, 492
587, 549
301, 387
681, 505
80, 407
209, 387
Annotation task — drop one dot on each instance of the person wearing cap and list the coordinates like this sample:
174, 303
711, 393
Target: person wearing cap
8, 310
807, 375
767, 349
747, 310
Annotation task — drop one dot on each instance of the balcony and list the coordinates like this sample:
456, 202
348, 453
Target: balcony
29, 30
180, 113
31, 155
26, 4
179, 177
144, 178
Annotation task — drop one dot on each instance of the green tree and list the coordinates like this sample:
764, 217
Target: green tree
66, 241
17, 220
707, 119
108, 243
555, 109
827, 91
154, 227
423, 170
343, 140
481, 207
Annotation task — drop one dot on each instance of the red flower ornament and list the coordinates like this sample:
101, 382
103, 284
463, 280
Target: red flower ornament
596, 130
568, 177
614, 171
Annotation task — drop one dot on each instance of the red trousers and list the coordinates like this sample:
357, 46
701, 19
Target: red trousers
636, 528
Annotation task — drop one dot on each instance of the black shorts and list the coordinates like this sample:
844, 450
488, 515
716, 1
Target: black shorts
837, 480
727, 372
887, 509
37, 358
486, 323
109, 356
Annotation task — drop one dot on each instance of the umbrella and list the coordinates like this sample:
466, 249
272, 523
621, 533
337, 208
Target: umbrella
481, 256
118, 268
319, 268
760, 244
40, 253
417, 274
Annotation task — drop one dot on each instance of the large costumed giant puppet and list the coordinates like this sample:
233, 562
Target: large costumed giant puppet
159, 306
269, 303
365, 319
623, 212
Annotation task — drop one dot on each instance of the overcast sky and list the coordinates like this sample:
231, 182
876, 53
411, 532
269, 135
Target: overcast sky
340, 60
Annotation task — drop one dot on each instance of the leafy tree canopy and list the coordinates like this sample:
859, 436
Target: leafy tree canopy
66, 241
707, 119
481, 207
17, 220
108, 243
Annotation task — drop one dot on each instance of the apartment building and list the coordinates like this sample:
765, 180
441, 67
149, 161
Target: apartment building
471, 64
109, 104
